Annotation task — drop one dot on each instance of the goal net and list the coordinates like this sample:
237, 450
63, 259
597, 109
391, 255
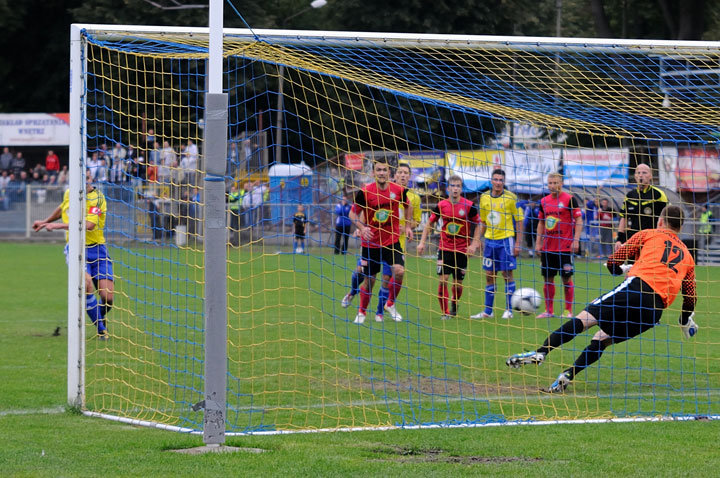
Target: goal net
308, 114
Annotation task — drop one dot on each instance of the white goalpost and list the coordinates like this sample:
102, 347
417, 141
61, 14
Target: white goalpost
220, 327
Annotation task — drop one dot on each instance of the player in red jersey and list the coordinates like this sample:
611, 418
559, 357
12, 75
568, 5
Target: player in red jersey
457, 213
663, 268
376, 215
558, 238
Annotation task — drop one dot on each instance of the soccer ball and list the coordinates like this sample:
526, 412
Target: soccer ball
298, 250
526, 301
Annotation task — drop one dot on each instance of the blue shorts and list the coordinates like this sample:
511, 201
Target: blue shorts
386, 268
498, 255
97, 262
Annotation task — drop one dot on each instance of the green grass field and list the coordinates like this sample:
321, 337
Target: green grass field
293, 344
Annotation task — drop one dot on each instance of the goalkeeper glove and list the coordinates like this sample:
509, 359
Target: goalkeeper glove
689, 328
624, 268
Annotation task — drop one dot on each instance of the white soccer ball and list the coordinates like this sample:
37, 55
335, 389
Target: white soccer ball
298, 250
526, 301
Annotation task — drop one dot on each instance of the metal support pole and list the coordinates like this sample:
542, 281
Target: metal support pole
215, 148
279, 125
76, 229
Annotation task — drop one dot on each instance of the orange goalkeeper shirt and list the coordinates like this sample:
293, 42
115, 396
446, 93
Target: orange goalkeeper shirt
663, 262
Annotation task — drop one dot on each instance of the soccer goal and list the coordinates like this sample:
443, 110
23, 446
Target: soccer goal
308, 114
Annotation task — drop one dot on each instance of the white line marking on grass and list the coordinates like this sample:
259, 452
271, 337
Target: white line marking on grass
33, 411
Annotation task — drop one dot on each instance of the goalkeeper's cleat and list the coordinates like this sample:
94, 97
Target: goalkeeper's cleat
526, 358
453, 309
690, 328
359, 318
507, 314
560, 384
379, 318
347, 300
393, 313
481, 315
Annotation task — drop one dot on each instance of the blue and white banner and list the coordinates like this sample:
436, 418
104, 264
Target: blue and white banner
526, 171
595, 168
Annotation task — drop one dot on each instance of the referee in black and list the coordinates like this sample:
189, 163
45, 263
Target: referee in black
641, 207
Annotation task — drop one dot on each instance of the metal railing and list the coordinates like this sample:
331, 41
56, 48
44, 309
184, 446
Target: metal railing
160, 213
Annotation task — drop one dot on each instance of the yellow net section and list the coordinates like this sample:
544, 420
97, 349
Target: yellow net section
309, 118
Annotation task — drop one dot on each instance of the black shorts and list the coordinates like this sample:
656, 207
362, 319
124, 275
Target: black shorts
299, 235
452, 263
628, 310
554, 263
373, 258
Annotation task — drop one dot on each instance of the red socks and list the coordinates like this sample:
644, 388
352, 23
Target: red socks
394, 287
457, 291
364, 299
569, 295
443, 297
549, 292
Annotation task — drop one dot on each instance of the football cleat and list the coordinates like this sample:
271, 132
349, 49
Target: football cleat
560, 384
567, 314
379, 318
545, 315
507, 314
445, 317
347, 300
481, 315
359, 318
393, 313
103, 335
526, 358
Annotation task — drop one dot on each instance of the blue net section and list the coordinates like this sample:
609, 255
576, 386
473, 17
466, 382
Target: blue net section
320, 337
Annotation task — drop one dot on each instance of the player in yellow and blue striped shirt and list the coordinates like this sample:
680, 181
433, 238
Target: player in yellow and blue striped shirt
501, 224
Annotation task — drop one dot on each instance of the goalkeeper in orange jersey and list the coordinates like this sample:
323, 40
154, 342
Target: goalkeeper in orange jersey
663, 267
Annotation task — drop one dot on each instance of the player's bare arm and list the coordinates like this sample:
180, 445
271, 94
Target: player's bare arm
620, 231
480, 228
426, 230
365, 231
54, 216
519, 229
578, 232
476, 243
408, 221
540, 234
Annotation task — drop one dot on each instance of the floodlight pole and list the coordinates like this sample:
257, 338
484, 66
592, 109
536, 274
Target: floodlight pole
215, 240
281, 83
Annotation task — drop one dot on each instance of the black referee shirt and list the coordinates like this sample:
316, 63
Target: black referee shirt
641, 209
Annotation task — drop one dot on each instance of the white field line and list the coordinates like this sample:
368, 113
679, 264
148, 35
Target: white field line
424, 400
364, 403
144, 423
33, 411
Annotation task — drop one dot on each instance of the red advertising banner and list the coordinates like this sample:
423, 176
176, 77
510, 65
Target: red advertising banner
355, 161
698, 169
